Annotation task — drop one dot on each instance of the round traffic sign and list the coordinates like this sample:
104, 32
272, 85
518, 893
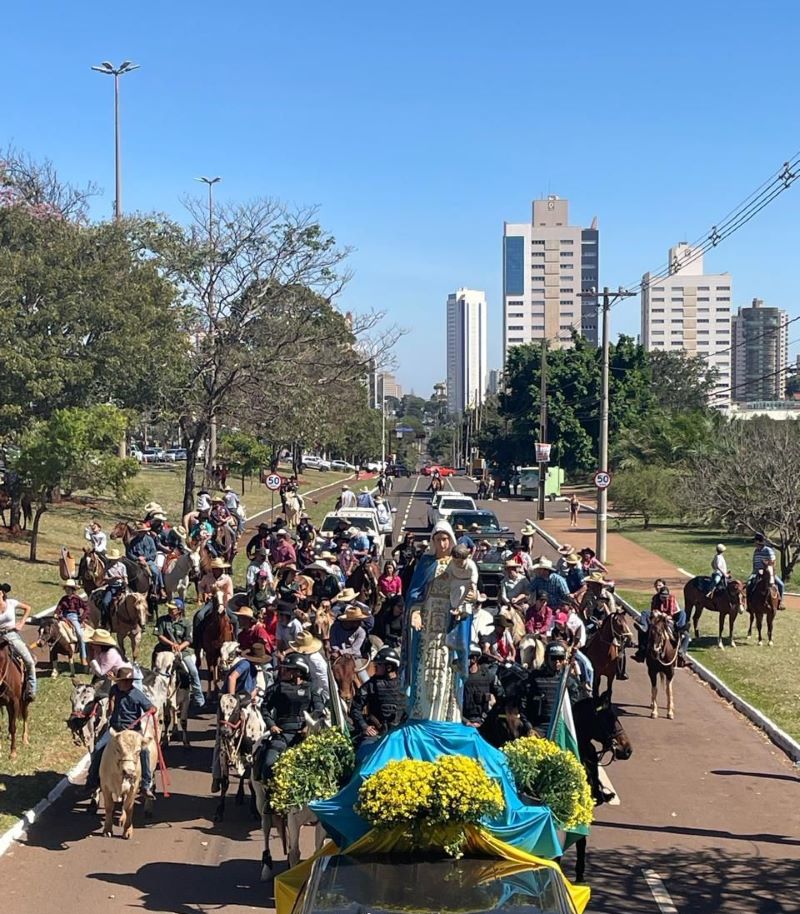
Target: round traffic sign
602, 479
273, 482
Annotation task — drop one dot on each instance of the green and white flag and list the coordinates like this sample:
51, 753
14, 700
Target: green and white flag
561, 730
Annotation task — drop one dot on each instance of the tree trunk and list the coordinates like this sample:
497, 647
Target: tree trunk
646, 518
192, 444
243, 478
40, 509
16, 512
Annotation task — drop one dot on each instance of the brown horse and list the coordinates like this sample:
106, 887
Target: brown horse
763, 601
728, 602
604, 647
61, 640
124, 531
12, 694
91, 570
662, 655
217, 629
128, 618
349, 673
364, 580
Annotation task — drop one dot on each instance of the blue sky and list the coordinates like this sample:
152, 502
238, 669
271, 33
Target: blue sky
418, 128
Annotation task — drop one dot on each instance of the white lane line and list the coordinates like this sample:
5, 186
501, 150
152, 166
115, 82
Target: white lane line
605, 781
408, 506
659, 892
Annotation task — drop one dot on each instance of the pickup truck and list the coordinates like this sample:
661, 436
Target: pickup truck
365, 519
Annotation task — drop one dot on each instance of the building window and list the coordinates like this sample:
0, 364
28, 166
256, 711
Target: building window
538, 301
702, 320
657, 289
723, 288
567, 291
567, 241
567, 254
723, 298
537, 241
513, 314
702, 298
677, 298
515, 303
657, 310
537, 266
515, 339
565, 278
537, 253
566, 301
515, 327
702, 288
657, 320
514, 264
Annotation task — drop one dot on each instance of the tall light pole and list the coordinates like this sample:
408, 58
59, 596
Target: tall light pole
110, 70
383, 433
211, 456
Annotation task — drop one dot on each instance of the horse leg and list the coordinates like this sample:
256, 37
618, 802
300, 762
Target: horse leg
670, 706
698, 611
653, 696
731, 622
219, 814
53, 662
770, 620
720, 645
294, 822
12, 710
239, 800
750, 629
136, 639
759, 625
580, 862
266, 828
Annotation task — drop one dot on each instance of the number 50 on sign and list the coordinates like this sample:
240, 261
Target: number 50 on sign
602, 479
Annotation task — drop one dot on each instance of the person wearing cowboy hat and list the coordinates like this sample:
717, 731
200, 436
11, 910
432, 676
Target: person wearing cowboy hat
252, 630
547, 580
311, 648
127, 706
499, 645
116, 581
283, 553
242, 677
105, 659
73, 609
348, 633
259, 540
574, 576
94, 534
527, 536
142, 549
175, 633
359, 543
463, 538
563, 551
513, 585
342, 600
258, 563
379, 705
347, 499
365, 499
306, 532
289, 627
597, 601
590, 562
217, 580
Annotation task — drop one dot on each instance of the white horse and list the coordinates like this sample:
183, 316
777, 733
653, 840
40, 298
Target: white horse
239, 729
179, 573
531, 652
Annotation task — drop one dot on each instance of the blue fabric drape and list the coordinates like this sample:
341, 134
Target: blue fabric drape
523, 825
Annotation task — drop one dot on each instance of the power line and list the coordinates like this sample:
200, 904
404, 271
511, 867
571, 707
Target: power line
787, 369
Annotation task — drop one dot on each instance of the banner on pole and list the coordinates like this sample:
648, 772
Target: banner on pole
542, 452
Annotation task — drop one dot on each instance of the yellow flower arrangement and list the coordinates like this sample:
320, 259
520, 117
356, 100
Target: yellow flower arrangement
431, 800
313, 770
541, 769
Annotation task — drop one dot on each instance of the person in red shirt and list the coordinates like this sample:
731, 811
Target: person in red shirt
251, 630
539, 618
268, 620
283, 552
75, 610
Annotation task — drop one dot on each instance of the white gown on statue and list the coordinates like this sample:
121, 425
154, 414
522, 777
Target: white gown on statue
434, 695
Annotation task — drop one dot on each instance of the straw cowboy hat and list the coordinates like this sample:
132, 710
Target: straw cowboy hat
181, 531
219, 563
353, 614
566, 549
257, 654
244, 611
596, 577
512, 563
543, 564
123, 674
103, 637
152, 507
327, 556
346, 596
70, 584
527, 530
113, 554
306, 643
573, 559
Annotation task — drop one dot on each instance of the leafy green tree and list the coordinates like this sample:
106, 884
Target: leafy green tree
681, 381
440, 443
666, 438
74, 448
647, 492
244, 453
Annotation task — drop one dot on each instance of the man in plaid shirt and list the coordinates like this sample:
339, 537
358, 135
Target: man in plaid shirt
546, 581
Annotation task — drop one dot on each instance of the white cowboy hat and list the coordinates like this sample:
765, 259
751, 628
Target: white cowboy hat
306, 643
543, 563
101, 636
113, 554
71, 583
527, 530
345, 596
721, 547
327, 556
124, 673
219, 563
152, 506
353, 614
566, 549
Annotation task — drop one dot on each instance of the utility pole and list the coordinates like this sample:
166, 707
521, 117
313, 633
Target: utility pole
542, 427
211, 456
109, 69
383, 433
609, 299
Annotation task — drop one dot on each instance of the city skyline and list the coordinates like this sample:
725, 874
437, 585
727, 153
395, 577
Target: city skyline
467, 368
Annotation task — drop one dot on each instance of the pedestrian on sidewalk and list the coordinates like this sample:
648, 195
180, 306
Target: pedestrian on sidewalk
574, 507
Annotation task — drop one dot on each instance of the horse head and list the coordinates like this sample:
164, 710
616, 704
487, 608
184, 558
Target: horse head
195, 571
737, 594
609, 731
619, 627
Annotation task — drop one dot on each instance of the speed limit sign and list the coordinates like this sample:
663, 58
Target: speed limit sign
273, 482
602, 479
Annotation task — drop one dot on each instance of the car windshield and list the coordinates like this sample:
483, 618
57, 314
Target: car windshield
486, 520
362, 523
456, 504
381, 886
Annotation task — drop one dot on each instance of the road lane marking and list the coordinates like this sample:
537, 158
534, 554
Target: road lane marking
410, 502
659, 891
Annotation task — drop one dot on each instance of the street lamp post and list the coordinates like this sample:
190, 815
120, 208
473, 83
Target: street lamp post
211, 456
110, 70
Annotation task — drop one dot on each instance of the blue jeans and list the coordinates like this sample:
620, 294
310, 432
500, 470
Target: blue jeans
73, 619
20, 647
190, 662
158, 580
93, 777
105, 603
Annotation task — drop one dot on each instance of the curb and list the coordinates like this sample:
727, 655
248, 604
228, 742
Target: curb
27, 819
779, 737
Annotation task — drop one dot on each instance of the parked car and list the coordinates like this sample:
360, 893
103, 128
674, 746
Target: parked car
153, 455
135, 452
365, 519
443, 504
312, 462
372, 466
176, 453
398, 470
342, 466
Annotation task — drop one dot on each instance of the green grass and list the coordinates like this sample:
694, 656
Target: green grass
766, 677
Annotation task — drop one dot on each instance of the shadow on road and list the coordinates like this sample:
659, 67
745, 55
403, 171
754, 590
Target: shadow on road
186, 888
707, 882
757, 774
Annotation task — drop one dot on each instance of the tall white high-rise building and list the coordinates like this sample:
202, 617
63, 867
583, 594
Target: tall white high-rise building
760, 353
466, 349
548, 265
690, 310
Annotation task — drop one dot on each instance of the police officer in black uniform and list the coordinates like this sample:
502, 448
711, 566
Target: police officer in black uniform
543, 686
284, 708
380, 704
479, 689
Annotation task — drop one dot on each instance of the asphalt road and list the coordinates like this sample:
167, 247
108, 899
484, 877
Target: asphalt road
709, 818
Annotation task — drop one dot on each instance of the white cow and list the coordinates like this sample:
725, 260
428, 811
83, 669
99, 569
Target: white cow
121, 775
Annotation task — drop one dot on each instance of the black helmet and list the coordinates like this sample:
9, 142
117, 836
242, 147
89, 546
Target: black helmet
556, 650
297, 663
389, 657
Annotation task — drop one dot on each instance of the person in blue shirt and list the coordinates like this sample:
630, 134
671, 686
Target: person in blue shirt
359, 542
365, 499
547, 581
142, 549
463, 538
127, 706
574, 576
764, 560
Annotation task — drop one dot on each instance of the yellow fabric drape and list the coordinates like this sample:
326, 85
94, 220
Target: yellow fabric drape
510, 860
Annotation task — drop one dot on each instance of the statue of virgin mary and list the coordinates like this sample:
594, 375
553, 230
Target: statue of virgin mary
435, 673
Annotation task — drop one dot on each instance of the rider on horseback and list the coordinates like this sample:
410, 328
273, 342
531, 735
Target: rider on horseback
73, 609
116, 578
142, 549
764, 563
719, 570
96, 537
664, 602
479, 688
10, 630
